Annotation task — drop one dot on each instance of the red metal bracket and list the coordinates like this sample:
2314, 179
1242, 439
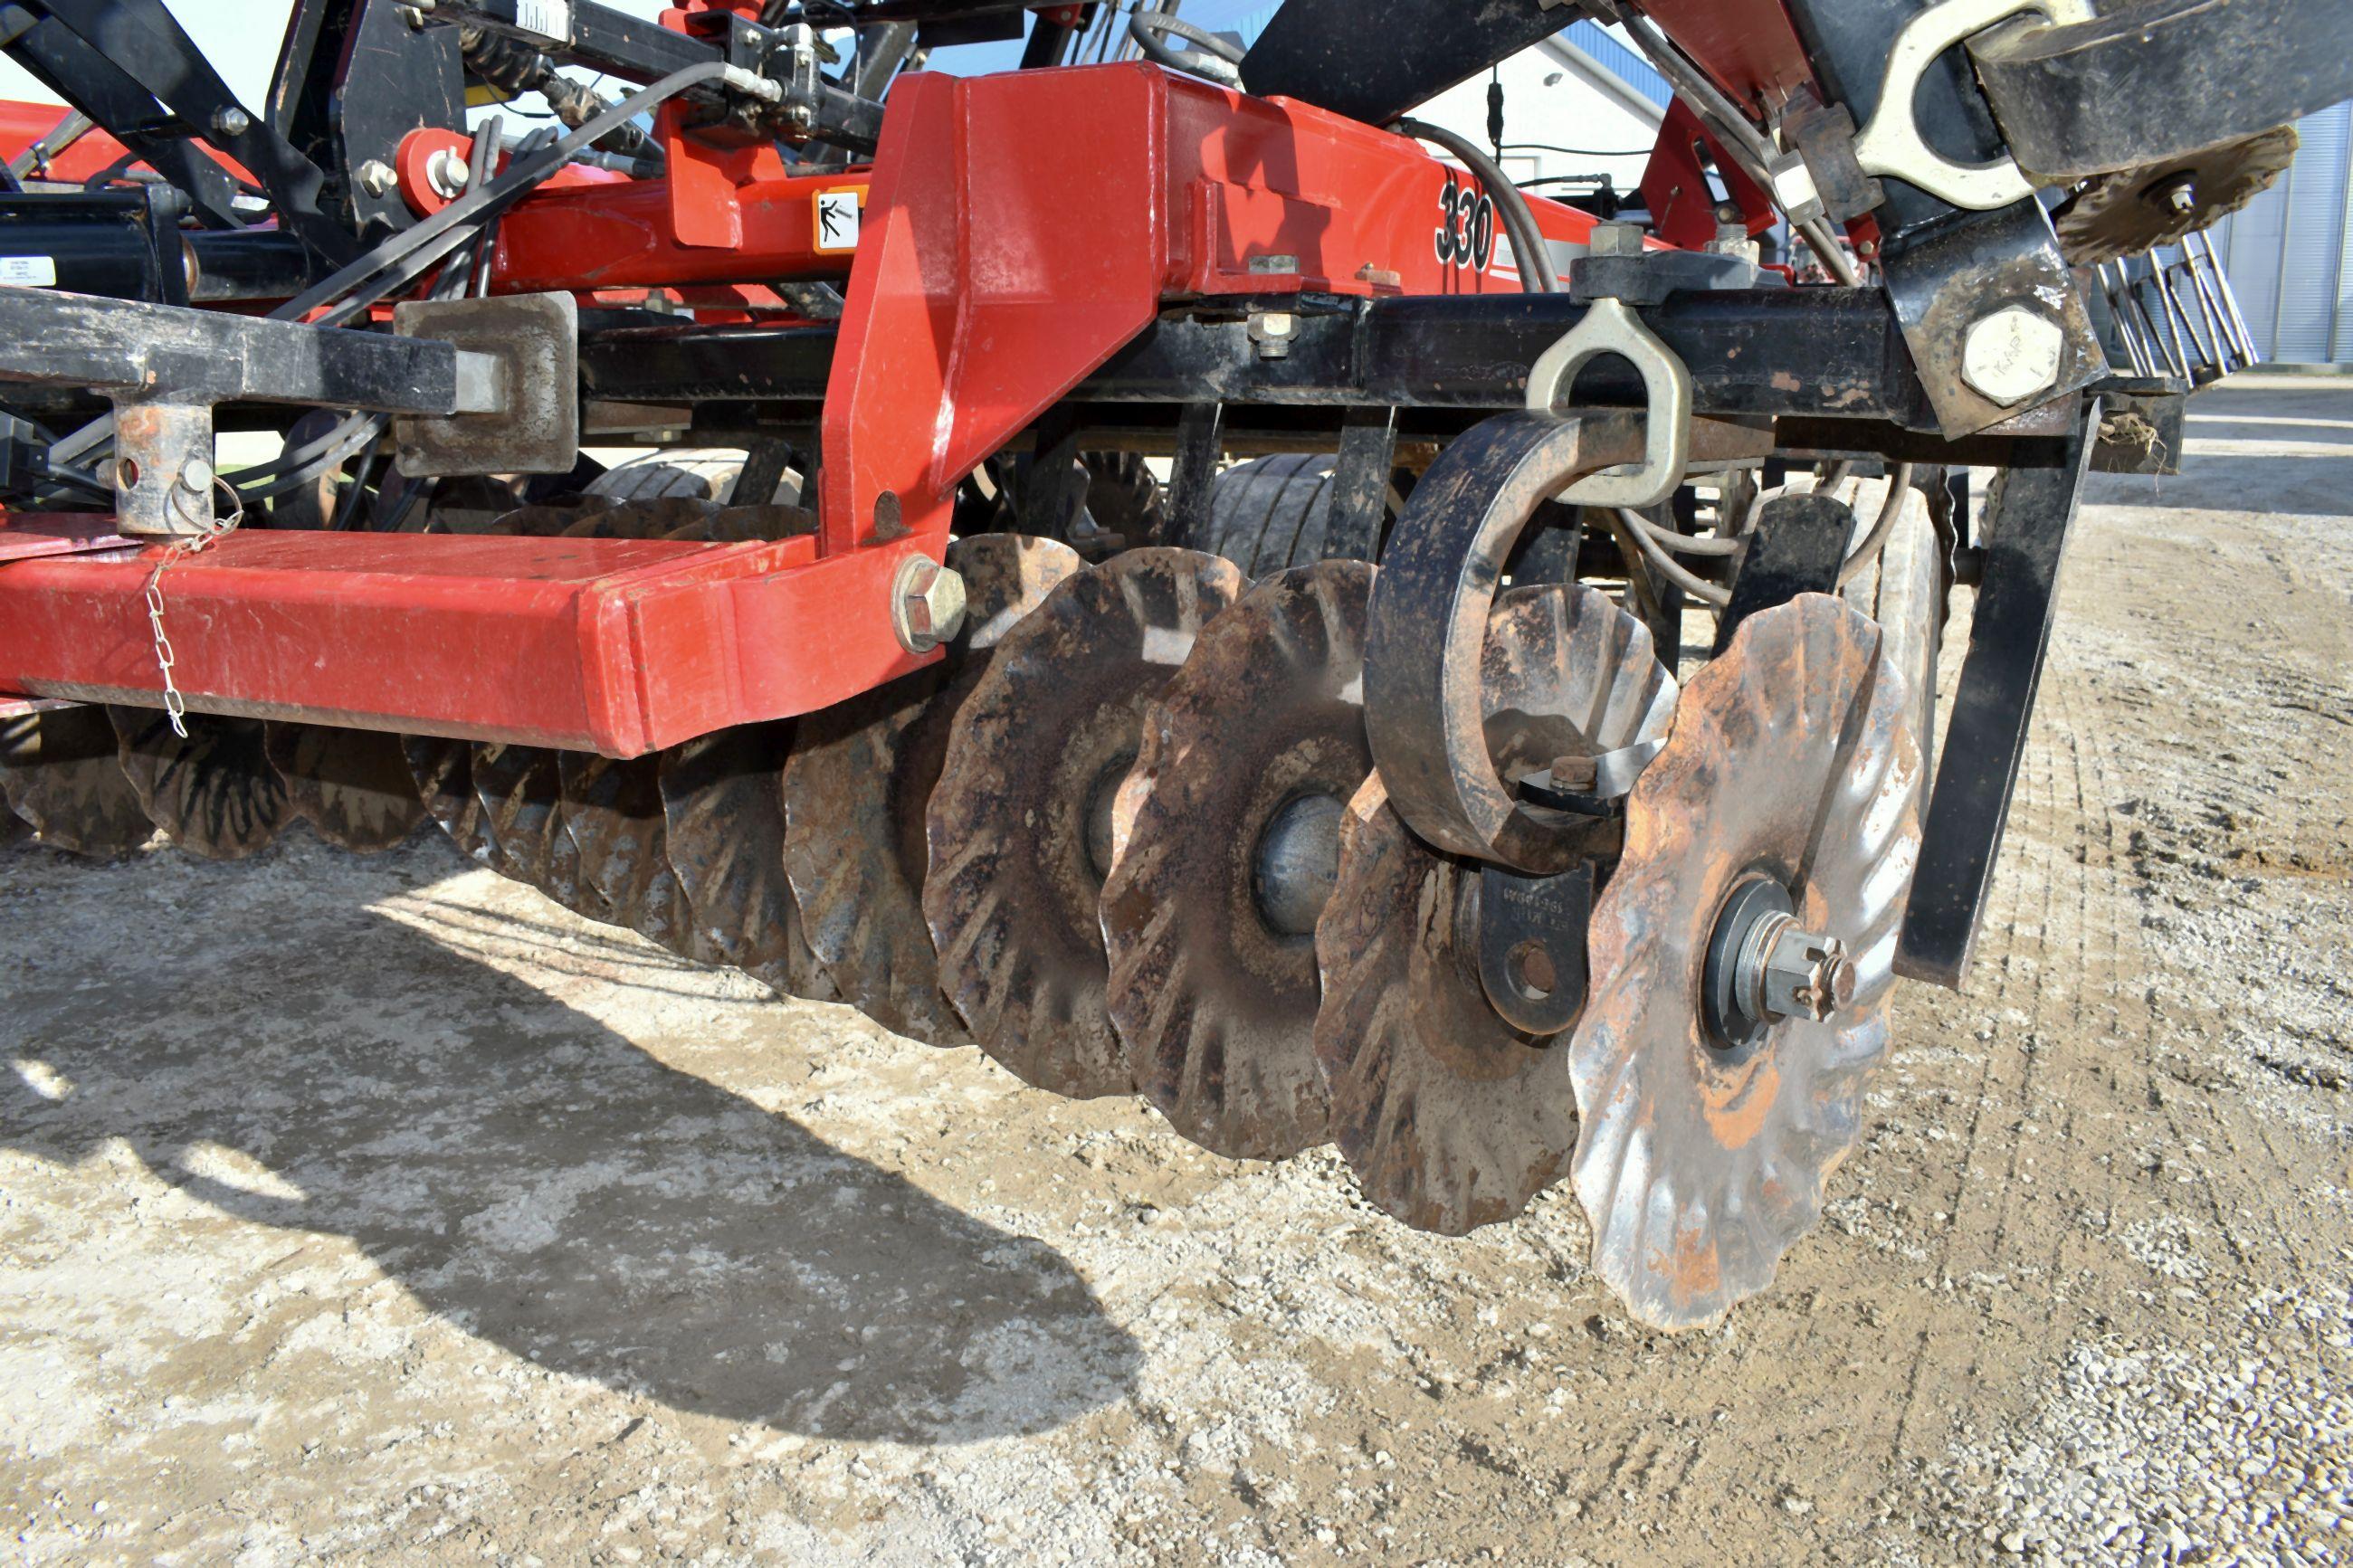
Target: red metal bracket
614, 645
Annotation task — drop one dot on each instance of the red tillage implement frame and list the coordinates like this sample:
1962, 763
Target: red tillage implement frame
1015, 232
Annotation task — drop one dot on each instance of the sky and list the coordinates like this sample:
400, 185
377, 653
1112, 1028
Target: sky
241, 37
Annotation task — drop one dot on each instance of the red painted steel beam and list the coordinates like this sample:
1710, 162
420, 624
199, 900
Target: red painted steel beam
615, 646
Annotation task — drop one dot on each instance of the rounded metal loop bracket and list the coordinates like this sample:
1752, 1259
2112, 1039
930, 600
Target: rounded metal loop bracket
1426, 631
1892, 143
1611, 327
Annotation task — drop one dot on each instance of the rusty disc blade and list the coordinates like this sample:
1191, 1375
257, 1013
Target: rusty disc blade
656, 519
1222, 840
613, 811
443, 772
1020, 823
858, 782
13, 829
546, 519
724, 815
212, 793
61, 770
522, 792
1793, 756
1451, 1117
352, 786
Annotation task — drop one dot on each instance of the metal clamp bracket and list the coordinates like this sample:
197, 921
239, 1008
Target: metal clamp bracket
1610, 327
1892, 143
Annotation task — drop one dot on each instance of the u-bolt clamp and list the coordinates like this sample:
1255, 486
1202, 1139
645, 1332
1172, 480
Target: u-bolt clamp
1611, 327
1892, 143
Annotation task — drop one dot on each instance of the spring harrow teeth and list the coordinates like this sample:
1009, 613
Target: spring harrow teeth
858, 782
61, 772
212, 793
1226, 839
1451, 1116
352, 786
1019, 825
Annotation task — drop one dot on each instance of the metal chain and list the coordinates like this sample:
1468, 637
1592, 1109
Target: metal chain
209, 528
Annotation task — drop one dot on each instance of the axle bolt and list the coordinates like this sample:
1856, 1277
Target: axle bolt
2182, 196
1802, 975
928, 604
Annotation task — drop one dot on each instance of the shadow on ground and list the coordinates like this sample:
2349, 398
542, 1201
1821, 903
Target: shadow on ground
540, 1181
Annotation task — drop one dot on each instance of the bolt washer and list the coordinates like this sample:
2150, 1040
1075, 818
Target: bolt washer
1793, 756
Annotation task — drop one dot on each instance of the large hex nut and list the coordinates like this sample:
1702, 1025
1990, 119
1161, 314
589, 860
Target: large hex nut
928, 604
2012, 353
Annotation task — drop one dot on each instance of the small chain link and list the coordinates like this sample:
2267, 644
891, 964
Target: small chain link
175, 706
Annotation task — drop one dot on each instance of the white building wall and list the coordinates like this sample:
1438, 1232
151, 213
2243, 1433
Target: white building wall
2290, 251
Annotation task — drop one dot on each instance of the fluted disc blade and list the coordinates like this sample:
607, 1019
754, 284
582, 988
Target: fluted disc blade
61, 770
443, 772
1020, 823
1212, 978
1794, 755
352, 786
723, 812
548, 519
858, 785
1450, 1116
522, 792
212, 793
655, 519
613, 811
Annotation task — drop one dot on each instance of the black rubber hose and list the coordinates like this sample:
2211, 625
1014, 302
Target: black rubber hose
1536, 275
1215, 60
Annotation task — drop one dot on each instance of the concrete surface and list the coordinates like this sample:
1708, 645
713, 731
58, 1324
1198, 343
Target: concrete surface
377, 1211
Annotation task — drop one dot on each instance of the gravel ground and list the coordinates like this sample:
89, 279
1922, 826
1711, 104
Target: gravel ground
377, 1210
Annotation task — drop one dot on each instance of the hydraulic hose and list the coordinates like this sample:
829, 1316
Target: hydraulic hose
1536, 274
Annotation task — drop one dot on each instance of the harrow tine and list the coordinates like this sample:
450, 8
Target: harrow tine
1226, 841
352, 786
213, 794
61, 772
1018, 826
858, 784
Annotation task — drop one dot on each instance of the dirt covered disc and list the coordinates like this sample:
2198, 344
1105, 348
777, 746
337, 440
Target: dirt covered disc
1451, 1117
1702, 1157
61, 772
1225, 840
212, 793
352, 786
443, 772
1020, 823
858, 784
522, 792
613, 812
724, 820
